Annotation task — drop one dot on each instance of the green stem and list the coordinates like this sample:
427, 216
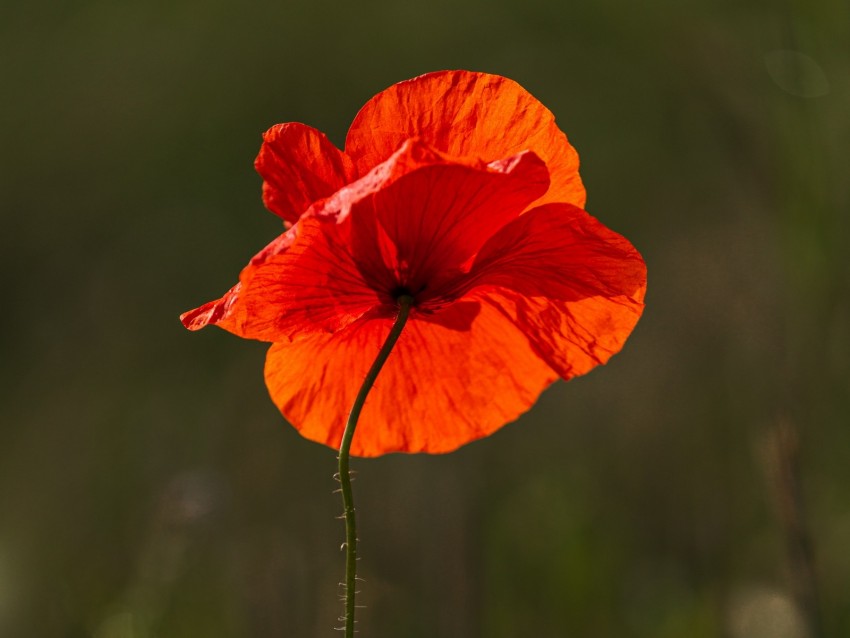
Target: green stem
404, 304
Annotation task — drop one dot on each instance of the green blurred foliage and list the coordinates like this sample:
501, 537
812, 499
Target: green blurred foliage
148, 487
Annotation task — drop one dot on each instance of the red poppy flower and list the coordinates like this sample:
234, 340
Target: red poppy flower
455, 188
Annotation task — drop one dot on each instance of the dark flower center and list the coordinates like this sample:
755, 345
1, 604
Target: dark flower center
401, 291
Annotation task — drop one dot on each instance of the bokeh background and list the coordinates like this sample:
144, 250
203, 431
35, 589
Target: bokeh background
698, 485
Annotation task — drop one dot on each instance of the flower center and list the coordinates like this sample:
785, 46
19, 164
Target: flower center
402, 291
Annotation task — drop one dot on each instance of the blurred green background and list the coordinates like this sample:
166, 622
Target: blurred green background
149, 488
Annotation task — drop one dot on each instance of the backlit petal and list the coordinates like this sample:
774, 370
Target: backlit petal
466, 114
573, 287
299, 166
434, 219
440, 388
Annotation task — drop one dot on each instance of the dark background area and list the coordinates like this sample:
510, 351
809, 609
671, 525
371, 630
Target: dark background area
148, 486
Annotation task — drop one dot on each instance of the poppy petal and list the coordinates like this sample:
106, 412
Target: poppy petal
305, 281
299, 165
466, 114
431, 221
440, 388
572, 286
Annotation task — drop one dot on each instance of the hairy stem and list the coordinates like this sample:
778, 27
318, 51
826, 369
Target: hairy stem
404, 304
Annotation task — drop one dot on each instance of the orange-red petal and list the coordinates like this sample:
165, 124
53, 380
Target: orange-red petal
431, 221
466, 114
571, 285
299, 166
440, 388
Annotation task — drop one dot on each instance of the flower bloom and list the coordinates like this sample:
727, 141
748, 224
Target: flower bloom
457, 189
